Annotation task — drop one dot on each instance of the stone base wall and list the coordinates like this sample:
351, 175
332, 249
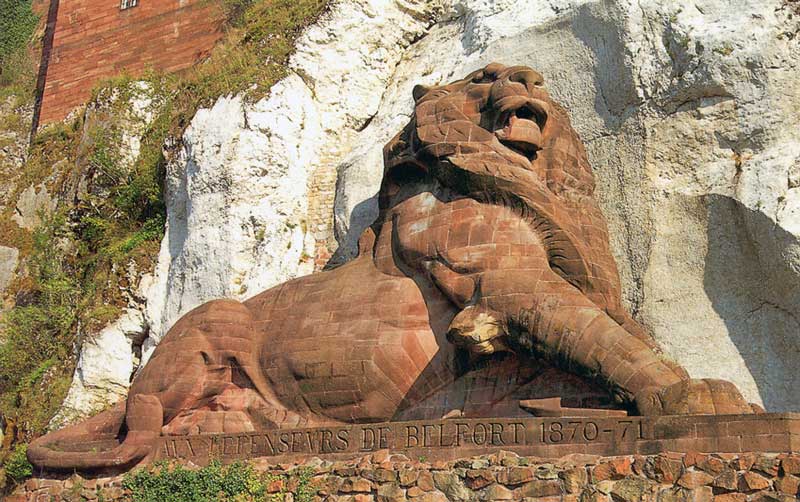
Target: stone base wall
385, 477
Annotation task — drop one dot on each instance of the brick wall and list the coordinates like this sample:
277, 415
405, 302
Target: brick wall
93, 39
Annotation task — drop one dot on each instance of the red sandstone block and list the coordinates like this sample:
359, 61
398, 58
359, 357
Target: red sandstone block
749, 427
729, 444
712, 429
728, 479
674, 427
711, 465
766, 443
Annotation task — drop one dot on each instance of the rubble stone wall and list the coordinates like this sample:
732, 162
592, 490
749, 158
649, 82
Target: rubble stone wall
384, 477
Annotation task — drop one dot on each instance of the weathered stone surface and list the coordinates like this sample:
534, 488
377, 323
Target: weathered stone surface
451, 485
667, 469
31, 203
752, 481
515, 475
425, 481
695, 479
391, 492
476, 479
104, 369
730, 497
407, 477
616, 468
788, 484
574, 479
8, 265
767, 463
791, 464
539, 488
630, 489
728, 479
711, 465
355, 485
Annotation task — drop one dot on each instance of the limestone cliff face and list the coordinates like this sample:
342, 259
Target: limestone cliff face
688, 111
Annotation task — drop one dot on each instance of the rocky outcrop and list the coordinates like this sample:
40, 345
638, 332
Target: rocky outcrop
104, 369
31, 204
108, 358
8, 264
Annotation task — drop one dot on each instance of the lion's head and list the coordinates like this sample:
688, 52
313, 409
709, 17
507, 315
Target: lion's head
498, 137
497, 115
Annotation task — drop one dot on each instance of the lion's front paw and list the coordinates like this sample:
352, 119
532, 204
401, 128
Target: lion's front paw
704, 396
478, 331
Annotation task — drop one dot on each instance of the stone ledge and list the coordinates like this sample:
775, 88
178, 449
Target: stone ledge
458, 438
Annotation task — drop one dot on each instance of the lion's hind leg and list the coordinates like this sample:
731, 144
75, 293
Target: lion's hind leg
208, 374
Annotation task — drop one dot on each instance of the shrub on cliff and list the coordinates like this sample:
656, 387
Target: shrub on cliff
17, 466
38, 335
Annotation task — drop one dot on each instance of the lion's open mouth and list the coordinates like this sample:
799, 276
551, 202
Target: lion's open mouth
520, 124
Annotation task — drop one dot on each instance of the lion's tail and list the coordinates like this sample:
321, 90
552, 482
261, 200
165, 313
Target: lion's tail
92, 445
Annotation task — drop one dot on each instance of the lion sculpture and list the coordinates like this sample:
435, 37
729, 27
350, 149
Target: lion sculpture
489, 245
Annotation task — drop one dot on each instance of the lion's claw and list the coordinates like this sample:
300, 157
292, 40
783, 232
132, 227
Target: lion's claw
478, 331
706, 396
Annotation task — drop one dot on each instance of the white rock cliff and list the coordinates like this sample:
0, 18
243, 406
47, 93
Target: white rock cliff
688, 111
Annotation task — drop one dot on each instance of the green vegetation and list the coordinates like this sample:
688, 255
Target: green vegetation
725, 49
215, 482
17, 24
305, 489
17, 466
165, 483
17, 62
38, 335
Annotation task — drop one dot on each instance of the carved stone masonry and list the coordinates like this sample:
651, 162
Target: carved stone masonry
486, 282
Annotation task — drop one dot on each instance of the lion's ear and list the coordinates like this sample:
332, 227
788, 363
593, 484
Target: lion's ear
419, 91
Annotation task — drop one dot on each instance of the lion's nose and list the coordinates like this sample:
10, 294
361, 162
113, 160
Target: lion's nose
525, 76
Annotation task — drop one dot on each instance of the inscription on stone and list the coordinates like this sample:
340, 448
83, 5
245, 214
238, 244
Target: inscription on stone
468, 434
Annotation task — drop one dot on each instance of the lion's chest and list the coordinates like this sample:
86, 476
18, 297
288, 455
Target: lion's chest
466, 234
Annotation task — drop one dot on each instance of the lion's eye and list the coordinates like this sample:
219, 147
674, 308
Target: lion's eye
482, 78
